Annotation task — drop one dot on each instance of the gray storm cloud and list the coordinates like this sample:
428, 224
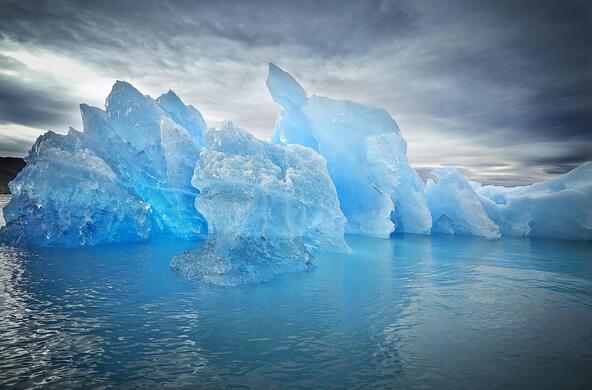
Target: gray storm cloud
504, 89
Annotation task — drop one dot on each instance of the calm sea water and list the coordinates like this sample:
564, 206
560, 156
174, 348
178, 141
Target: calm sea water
412, 312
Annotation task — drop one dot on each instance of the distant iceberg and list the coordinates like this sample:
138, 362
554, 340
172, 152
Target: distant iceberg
127, 177
366, 157
456, 208
267, 206
557, 208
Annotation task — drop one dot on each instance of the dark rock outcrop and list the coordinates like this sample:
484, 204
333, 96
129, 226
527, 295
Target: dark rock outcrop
9, 168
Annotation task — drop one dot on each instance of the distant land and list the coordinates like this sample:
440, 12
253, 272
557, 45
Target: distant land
9, 168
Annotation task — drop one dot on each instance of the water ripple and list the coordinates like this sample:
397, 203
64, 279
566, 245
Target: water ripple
412, 312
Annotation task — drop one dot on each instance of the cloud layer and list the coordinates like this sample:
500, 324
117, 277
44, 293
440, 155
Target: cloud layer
501, 89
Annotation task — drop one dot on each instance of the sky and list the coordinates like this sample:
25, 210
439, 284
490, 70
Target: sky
500, 89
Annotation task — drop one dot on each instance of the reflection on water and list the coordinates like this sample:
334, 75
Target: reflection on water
410, 312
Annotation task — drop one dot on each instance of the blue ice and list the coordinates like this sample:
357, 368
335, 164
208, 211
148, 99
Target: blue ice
126, 177
557, 208
268, 207
366, 157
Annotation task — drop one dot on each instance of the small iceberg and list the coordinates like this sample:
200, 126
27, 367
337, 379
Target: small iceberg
268, 208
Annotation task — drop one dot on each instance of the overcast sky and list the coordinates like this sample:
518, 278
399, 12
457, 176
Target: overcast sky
501, 89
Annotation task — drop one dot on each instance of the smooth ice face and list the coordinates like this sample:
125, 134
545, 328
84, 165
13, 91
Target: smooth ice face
267, 207
126, 177
456, 208
366, 157
284, 88
557, 208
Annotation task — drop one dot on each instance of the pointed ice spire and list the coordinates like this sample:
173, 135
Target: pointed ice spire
187, 116
123, 94
171, 98
284, 88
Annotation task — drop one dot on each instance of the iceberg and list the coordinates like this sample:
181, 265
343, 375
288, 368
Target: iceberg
455, 206
268, 208
366, 157
557, 208
69, 196
380, 193
126, 177
144, 167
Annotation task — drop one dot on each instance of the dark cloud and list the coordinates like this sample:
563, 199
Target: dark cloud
577, 156
486, 164
560, 169
29, 105
14, 146
489, 76
527, 67
326, 27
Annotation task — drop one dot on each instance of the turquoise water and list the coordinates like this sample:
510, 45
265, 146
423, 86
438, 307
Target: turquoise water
411, 312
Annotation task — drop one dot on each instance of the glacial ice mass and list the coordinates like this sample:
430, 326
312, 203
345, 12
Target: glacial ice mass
557, 208
366, 156
145, 167
270, 204
456, 207
126, 177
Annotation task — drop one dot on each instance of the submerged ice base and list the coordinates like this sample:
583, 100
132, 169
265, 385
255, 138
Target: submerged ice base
267, 207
